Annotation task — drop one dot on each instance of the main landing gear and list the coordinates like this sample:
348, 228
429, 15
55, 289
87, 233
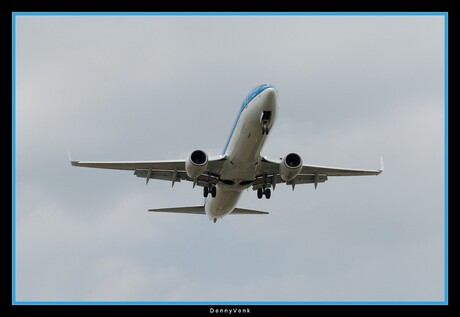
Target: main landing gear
212, 190
264, 191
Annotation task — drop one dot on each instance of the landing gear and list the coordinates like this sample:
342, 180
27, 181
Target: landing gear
266, 116
261, 192
215, 219
268, 193
212, 190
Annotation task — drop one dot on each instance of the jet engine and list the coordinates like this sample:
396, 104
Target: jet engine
290, 167
196, 163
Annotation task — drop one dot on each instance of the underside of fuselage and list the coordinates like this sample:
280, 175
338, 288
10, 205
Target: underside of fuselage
251, 130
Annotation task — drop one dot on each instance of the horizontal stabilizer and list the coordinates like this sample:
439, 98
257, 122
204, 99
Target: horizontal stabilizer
199, 210
241, 211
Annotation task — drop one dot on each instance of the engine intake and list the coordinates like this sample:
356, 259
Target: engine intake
196, 164
290, 167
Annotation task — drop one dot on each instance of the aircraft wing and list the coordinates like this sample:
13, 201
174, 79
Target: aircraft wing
268, 174
173, 171
336, 171
133, 165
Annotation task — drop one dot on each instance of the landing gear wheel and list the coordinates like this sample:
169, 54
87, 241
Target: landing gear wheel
260, 193
205, 192
215, 219
213, 191
268, 193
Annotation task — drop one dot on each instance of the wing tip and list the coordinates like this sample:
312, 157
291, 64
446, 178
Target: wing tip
73, 163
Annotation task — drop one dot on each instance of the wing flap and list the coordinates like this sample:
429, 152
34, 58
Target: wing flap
161, 175
202, 180
308, 179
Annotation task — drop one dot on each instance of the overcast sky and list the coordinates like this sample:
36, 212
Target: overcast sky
148, 87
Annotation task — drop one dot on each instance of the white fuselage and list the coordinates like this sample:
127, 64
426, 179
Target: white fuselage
243, 153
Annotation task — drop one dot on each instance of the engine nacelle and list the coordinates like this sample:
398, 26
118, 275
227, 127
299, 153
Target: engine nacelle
290, 167
196, 163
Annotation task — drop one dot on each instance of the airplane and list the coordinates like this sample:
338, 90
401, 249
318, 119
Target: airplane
239, 167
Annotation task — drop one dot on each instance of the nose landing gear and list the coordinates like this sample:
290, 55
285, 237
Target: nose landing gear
266, 116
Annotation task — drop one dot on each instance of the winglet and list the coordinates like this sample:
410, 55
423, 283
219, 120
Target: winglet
73, 163
381, 164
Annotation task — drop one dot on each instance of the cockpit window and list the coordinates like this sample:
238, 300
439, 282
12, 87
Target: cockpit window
253, 93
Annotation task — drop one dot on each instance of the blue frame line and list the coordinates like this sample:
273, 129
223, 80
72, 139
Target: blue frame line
254, 303
230, 13
446, 160
13, 158
236, 303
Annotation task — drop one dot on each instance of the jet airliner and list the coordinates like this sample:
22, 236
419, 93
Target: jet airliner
239, 167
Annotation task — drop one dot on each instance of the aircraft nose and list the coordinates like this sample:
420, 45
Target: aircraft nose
270, 97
